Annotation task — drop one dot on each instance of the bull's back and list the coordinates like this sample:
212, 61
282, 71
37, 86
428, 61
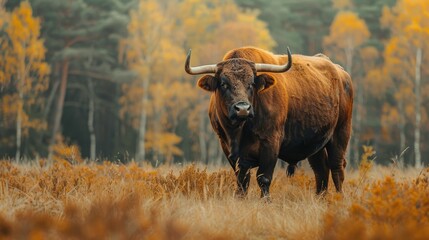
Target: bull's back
253, 54
314, 87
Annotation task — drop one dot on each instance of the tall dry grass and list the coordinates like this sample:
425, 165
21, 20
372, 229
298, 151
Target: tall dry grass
110, 201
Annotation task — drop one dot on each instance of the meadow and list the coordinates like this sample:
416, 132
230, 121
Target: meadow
105, 79
116, 201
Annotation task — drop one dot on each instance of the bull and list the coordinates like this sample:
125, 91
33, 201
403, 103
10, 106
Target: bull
264, 107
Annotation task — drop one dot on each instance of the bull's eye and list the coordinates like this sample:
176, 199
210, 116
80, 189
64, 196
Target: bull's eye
224, 85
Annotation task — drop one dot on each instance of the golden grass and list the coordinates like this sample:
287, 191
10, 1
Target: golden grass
109, 201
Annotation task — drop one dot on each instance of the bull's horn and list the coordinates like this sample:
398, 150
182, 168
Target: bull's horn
262, 67
200, 69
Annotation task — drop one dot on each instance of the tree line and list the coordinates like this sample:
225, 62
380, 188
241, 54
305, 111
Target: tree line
104, 79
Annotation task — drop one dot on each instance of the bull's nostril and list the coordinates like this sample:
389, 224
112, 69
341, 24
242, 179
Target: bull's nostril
243, 109
242, 106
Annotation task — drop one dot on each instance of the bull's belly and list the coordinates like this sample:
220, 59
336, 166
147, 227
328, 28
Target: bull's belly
301, 146
297, 145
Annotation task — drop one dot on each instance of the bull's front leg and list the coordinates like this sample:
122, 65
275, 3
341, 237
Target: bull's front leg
242, 172
267, 161
240, 165
241, 169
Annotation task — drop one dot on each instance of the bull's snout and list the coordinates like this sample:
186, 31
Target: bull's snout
243, 110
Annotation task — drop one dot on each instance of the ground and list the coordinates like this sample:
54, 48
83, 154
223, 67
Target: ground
116, 201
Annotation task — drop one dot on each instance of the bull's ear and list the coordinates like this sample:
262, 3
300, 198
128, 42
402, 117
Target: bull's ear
264, 82
207, 83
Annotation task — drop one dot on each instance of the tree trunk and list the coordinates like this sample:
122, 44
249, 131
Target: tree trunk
358, 123
402, 136
20, 87
59, 108
91, 110
50, 99
354, 143
202, 137
140, 153
157, 154
418, 160
220, 154
19, 125
349, 59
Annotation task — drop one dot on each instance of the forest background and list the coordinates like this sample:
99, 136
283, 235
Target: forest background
104, 79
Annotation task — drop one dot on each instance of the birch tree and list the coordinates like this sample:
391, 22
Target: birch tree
150, 24
409, 24
25, 70
162, 96
347, 33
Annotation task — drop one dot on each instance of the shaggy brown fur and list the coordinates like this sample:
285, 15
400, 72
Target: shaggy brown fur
302, 113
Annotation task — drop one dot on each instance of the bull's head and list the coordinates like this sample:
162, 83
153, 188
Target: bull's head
235, 82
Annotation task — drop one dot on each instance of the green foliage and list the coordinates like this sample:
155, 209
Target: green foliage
298, 24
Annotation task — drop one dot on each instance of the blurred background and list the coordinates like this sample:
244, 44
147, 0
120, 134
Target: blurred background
104, 79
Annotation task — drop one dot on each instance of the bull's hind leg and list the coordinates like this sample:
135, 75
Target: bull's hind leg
337, 148
336, 163
319, 164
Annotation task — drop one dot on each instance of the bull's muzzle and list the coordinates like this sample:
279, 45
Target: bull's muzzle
242, 110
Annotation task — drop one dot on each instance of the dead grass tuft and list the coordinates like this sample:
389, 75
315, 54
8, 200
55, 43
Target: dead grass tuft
98, 201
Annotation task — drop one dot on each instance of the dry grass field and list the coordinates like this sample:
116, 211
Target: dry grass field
111, 201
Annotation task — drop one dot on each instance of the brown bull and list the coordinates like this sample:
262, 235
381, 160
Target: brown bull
263, 107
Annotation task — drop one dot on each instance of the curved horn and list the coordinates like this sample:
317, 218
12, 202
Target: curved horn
262, 67
200, 69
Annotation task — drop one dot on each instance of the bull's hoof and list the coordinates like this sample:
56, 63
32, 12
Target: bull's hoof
322, 194
240, 194
266, 199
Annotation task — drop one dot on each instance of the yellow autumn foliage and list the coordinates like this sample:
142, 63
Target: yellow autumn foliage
347, 31
23, 71
165, 143
64, 152
408, 22
159, 35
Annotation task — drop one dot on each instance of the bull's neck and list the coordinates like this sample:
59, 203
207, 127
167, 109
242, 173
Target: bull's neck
234, 132
233, 128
